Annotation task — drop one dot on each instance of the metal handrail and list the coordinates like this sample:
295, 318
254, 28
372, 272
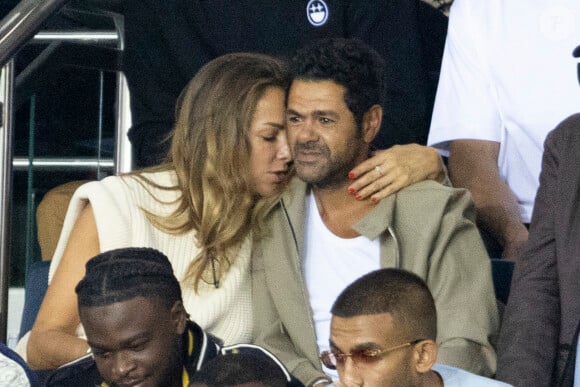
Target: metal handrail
6, 131
123, 151
20, 25
76, 36
63, 163
16, 29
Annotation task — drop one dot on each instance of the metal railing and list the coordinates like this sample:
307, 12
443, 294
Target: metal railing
18, 28
63, 164
20, 25
7, 77
76, 36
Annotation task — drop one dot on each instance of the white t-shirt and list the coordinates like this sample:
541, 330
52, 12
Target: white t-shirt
508, 75
331, 264
456, 377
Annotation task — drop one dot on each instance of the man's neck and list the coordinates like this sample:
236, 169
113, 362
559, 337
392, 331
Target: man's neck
433, 379
339, 210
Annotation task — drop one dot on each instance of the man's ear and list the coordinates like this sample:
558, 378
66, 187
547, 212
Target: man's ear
371, 123
425, 356
179, 317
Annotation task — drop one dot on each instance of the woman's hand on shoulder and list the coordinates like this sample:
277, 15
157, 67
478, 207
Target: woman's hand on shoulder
393, 169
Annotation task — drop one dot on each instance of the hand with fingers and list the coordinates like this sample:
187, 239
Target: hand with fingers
393, 169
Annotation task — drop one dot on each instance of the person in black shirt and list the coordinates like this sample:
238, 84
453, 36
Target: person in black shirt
168, 41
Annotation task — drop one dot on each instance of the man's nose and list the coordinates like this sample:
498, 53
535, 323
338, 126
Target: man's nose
122, 365
306, 131
349, 375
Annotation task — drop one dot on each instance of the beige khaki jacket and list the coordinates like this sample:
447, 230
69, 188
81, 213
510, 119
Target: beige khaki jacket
428, 229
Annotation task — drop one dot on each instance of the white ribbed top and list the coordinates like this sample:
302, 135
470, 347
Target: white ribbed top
225, 312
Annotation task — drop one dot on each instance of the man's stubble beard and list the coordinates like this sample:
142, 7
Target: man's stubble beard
331, 175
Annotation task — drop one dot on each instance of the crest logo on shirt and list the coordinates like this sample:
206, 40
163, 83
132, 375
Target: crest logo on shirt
317, 12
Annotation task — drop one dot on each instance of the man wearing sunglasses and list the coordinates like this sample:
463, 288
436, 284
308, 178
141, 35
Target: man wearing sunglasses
383, 334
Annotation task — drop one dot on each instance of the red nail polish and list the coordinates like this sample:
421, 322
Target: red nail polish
358, 197
373, 199
351, 175
351, 190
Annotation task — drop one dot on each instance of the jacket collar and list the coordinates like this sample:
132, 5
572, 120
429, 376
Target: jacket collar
378, 219
372, 225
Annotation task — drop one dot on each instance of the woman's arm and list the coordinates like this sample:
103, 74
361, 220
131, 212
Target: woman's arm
53, 340
399, 167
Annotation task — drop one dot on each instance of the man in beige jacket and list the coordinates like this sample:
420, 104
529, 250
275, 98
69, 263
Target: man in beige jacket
320, 238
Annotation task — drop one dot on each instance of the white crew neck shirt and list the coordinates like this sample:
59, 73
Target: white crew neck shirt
331, 264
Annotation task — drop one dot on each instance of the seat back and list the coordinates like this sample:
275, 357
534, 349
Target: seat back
502, 271
35, 288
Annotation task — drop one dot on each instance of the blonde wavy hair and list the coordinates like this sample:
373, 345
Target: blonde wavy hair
210, 153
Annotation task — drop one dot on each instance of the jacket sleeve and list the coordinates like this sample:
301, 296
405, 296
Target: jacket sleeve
270, 332
529, 338
459, 276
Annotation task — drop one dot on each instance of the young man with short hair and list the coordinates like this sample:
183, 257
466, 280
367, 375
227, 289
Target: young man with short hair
383, 334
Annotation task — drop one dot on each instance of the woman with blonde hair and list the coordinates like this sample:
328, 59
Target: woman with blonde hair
229, 159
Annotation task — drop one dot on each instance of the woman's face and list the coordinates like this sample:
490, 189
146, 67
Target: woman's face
270, 155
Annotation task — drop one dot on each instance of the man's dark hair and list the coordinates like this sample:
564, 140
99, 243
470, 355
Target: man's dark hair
239, 368
122, 274
400, 293
348, 62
